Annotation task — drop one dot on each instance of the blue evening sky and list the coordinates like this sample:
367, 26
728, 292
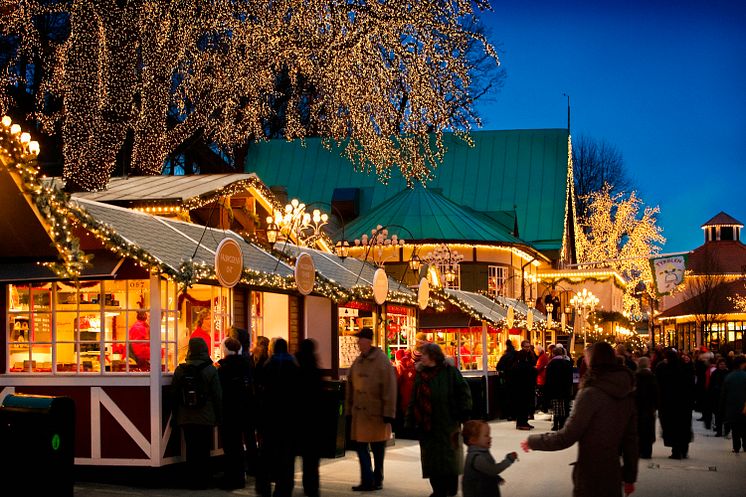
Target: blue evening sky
663, 81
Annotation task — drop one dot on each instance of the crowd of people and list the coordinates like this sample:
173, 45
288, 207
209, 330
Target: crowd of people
607, 401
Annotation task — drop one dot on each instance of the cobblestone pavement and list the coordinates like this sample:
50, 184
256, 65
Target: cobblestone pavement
711, 470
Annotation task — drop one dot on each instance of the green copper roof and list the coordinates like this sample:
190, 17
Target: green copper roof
525, 169
429, 216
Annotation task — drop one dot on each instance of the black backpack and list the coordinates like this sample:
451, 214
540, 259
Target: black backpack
193, 385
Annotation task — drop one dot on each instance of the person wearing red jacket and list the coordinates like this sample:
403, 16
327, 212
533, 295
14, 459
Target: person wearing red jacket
541, 375
200, 332
139, 338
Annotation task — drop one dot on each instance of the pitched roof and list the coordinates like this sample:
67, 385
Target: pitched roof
429, 216
719, 300
163, 188
521, 169
723, 256
723, 219
172, 242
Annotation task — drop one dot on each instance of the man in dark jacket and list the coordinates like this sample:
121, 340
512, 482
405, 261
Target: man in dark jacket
676, 389
558, 387
197, 419
238, 403
278, 426
734, 402
646, 398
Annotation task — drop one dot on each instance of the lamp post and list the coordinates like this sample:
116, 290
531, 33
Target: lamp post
584, 302
446, 261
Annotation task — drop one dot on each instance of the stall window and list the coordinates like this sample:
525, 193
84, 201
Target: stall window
90, 327
496, 276
464, 346
257, 316
401, 326
353, 317
207, 310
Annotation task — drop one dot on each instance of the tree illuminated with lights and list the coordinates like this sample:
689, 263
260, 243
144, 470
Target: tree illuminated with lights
621, 233
140, 78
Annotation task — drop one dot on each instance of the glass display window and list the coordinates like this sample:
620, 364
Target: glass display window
206, 311
465, 346
352, 318
90, 327
401, 327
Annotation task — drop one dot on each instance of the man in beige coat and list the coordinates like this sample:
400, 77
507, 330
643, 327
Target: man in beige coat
370, 402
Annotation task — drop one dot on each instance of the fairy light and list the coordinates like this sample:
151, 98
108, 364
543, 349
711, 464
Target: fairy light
617, 232
214, 66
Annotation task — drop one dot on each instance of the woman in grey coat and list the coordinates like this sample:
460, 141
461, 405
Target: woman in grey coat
603, 422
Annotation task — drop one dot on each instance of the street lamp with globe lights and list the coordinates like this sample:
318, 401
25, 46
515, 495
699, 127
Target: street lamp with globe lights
584, 302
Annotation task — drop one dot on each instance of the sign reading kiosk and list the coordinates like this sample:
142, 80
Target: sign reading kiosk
228, 262
305, 274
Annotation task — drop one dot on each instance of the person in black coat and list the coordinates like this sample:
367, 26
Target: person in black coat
235, 379
504, 365
676, 390
311, 387
522, 388
277, 422
717, 378
646, 398
558, 387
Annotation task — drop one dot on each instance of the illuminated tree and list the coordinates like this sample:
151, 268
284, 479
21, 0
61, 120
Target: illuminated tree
138, 79
616, 234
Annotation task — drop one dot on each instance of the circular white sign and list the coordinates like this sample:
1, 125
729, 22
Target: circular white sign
529, 320
380, 286
305, 274
423, 293
509, 319
228, 262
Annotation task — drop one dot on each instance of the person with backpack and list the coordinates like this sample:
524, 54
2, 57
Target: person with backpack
197, 408
237, 386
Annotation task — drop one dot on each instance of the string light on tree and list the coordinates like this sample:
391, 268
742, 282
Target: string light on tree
380, 80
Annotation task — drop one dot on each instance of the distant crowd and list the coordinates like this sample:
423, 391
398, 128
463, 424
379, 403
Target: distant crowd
607, 401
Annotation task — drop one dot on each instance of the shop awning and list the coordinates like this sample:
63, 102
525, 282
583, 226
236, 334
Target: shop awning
446, 320
479, 305
170, 243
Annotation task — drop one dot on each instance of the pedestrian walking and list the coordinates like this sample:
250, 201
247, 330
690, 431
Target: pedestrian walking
441, 401
237, 386
370, 402
481, 472
715, 391
646, 399
734, 403
197, 404
676, 390
503, 367
522, 388
248, 425
603, 423
405, 373
278, 425
558, 388
311, 388
541, 376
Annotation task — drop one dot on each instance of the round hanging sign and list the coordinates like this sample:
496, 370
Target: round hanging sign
228, 262
305, 274
423, 293
380, 286
510, 318
529, 320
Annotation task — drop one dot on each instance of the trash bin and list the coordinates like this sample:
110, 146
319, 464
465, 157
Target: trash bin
38, 434
332, 419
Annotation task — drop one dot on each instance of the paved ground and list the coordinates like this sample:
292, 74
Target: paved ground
712, 470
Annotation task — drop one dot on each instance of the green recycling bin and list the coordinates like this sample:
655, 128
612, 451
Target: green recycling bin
38, 434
